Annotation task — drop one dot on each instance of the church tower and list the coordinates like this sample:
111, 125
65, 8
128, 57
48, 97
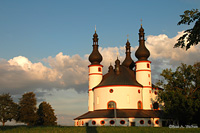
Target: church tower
95, 71
143, 70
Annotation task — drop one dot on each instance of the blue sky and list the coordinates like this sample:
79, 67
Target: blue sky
45, 44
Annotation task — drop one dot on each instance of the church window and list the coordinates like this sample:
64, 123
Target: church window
149, 121
156, 122
142, 122
111, 90
155, 93
148, 66
149, 83
93, 122
102, 122
139, 91
111, 105
122, 122
77, 123
82, 122
99, 69
112, 122
139, 105
155, 106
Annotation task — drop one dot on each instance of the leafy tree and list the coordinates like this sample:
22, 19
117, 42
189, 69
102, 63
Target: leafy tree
181, 95
191, 36
46, 115
8, 109
27, 109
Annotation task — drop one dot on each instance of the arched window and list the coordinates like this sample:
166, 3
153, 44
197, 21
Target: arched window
148, 66
99, 69
155, 105
139, 105
111, 105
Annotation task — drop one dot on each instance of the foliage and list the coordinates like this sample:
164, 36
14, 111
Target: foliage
46, 116
191, 36
181, 95
8, 109
27, 109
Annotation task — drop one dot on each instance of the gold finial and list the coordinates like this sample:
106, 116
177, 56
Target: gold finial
127, 37
95, 28
141, 21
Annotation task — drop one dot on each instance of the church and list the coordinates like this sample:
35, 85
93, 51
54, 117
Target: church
124, 96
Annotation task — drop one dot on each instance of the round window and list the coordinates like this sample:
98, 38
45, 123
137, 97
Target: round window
112, 122
122, 122
141, 121
157, 122
149, 121
102, 122
93, 122
111, 90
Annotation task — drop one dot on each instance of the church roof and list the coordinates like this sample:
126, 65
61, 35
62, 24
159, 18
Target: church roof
123, 113
126, 76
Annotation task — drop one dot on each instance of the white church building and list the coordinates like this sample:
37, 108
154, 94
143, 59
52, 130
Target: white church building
125, 95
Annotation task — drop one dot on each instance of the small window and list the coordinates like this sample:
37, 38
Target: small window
142, 122
93, 122
155, 92
102, 122
112, 122
111, 105
139, 105
149, 91
156, 122
148, 66
122, 122
149, 75
138, 91
77, 123
149, 121
111, 90
99, 69
82, 122
149, 83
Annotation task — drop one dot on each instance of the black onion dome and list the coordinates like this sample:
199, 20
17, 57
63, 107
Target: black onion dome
142, 53
95, 57
128, 62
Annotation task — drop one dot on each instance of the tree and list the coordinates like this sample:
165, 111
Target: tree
27, 109
181, 95
191, 36
8, 109
46, 116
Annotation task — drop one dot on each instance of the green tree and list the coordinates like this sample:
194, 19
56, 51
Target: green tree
181, 95
46, 116
8, 109
27, 109
191, 36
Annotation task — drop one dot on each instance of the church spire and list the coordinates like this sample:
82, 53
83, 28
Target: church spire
128, 62
95, 57
142, 53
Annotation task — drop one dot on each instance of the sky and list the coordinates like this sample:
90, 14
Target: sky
44, 45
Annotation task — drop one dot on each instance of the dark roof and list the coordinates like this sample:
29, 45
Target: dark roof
123, 113
125, 77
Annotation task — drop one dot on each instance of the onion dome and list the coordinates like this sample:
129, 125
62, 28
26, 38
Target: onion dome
110, 68
117, 65
128, 62
95, 57
142, 53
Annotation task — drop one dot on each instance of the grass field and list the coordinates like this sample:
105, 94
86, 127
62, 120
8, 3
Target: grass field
65, 129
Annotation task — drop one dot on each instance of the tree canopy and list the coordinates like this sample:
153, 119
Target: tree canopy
46, 116
181, 95
191, 36
8, 109
27, 109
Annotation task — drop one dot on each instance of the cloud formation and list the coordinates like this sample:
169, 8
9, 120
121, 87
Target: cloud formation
19, 75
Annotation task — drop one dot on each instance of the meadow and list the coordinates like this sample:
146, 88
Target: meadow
67, 129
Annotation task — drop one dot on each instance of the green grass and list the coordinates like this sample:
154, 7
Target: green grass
65, 129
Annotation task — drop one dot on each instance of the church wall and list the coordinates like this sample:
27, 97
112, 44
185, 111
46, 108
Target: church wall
125, 97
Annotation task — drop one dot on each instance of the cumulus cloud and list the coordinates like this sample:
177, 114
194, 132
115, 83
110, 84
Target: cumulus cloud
19, 75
